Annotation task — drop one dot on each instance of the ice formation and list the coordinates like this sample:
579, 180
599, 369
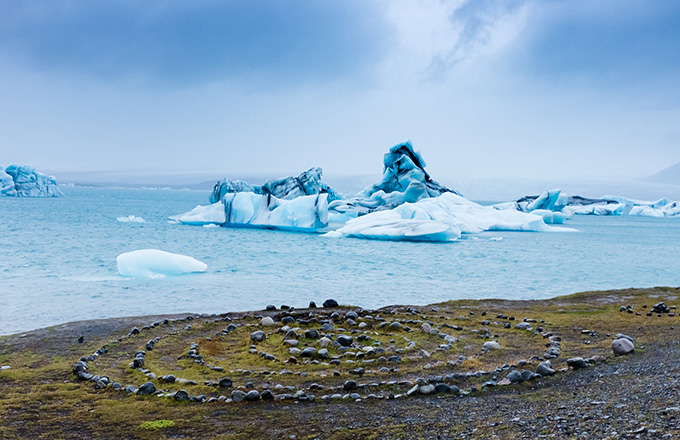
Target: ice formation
668, 210
442, 218
305, 213
153, 263
24, 181
131, 219
407, 204
306, 184
555, 200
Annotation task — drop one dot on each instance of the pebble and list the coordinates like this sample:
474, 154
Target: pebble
181, 396
252, 396
330, 303
344, 340
349, 385
491, 345
427, 390
545, 369
267, 321
238, 396
576, 363
257, 336
622, 346
225, 382
146, 389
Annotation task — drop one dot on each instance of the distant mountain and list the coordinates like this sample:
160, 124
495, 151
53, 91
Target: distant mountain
670, 175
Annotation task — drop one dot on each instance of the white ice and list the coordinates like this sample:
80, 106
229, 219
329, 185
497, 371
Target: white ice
154, 263
131, 219
305, 213
441, 218
669, 210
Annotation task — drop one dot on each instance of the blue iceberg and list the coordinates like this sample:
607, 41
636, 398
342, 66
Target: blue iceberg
25, 181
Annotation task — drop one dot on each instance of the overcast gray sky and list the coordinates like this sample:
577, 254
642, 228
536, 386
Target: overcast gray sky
482, 88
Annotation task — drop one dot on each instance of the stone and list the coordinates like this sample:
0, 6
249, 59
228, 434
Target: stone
253, 396
117, 386
545, 369
146, 389
311, 334
267, 395
330, 303
323, 353
622, 346
257, 336
394, 326
181, 396
238, 396
225, 382
515, 377
523, 326
527, 375
576, 363
349, 385
267, 321
491, 345
442, 388
312, 305
327, 327
344, 340
351, 315
169, 378
427, 390
324, 342
308, 352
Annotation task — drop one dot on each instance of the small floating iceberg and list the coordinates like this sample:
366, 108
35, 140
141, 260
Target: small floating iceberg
131, 219
154, 263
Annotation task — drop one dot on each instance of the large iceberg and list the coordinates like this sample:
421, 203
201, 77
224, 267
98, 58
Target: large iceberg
407, 204
288, 188
305, 213
404, 181
154, 263
442, 218
25, 181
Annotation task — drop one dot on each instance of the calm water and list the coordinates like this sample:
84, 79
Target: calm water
58, 261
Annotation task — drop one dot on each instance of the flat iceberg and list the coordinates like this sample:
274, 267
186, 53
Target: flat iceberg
555, 200
305, 213
668, 210
154, 263
25, 181
131, 219
442, 218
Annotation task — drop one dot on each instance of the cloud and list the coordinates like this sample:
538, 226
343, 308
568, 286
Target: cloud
280, 43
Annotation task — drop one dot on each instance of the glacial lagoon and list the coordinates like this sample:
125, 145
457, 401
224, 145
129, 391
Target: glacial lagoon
59, 261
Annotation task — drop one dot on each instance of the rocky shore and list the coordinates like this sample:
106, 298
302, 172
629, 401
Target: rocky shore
589, 365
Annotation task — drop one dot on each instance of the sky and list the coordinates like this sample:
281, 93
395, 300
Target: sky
525, 88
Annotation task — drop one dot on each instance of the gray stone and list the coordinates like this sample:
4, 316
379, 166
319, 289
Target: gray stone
351, 315
323, 353
427, 389
308, 352
394, 326
491, 345
267, 395
312, 334
545, 369
267, 321
344, 340
622, 346
257, 336
327, 327
225, 382
253, 396
442, 388
515, 377
146, 389
523, 326
576, 363
238, 396
621, 335
181, 396
349, 385
330, 303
